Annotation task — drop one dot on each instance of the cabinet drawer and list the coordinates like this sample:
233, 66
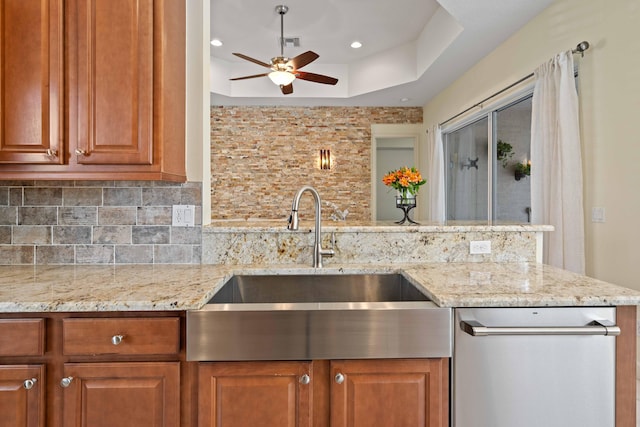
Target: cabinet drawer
21, 337
128, 336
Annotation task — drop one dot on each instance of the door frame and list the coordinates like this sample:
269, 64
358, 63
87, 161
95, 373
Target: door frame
415, 131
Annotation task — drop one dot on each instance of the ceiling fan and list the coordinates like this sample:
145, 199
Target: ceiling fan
284, 70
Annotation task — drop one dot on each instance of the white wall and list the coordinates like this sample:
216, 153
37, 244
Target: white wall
198, 155
609, 86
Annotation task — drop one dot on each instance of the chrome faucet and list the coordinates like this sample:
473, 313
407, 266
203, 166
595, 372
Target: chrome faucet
318, 251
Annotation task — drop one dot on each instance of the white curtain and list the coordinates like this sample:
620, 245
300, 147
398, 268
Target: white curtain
556, 163
435, 175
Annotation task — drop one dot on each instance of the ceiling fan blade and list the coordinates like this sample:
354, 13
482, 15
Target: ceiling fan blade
250, 77
303, 59
287, 89
317, 78
250, 59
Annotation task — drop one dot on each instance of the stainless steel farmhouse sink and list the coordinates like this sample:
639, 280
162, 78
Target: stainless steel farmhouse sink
317, 289
318, 316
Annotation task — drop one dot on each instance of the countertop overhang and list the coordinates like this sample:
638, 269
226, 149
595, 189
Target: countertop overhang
189, 287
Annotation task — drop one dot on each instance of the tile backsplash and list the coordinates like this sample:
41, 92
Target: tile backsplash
97, 222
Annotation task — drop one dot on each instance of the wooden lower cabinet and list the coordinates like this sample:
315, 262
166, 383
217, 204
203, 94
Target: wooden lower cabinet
22, 396
369, 393
266, 394
141, 394
349, 393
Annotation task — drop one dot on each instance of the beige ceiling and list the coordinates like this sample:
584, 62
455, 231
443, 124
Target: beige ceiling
412, 49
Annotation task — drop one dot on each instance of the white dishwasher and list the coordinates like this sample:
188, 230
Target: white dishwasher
534, 367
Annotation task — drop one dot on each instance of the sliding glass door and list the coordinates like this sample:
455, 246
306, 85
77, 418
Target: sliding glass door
487, 165
466, 161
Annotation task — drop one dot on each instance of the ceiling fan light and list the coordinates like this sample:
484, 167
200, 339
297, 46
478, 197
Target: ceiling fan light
282, 78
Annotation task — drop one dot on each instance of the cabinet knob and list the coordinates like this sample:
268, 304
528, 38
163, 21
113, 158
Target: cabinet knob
28, 384
305, 379
52, 153
116, 339
66, 382
339, 378
80, 152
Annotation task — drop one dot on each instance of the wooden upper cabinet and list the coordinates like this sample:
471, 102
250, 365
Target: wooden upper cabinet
114, 82
31, 81
120, 113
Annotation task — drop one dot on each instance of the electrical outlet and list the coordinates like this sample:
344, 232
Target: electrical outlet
478, 247
183, 216
597, 214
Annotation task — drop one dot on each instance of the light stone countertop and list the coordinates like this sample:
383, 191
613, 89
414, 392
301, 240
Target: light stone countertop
349, 226
189, 287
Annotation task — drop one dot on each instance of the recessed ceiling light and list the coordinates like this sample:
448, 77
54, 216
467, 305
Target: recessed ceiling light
216, 42
356, 45
404, 99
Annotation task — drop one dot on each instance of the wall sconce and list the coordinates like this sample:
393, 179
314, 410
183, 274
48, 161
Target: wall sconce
325, 159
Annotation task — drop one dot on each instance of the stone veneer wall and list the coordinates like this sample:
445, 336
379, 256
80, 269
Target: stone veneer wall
89, 222
260, 156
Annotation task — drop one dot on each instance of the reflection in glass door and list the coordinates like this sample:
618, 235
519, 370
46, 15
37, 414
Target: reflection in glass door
512, 195
466, 177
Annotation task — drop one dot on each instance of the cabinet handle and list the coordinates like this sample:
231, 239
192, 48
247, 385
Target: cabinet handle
117, 339
597, 327
52, 153
339, 378
28, 384
305, 379
66, 382
80, 152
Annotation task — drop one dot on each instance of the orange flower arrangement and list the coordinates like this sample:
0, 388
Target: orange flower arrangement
404, 180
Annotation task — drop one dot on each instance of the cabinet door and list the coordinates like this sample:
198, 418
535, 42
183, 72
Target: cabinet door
21, 396
141, 394
369, 393
115, 79
31, 76
266, 394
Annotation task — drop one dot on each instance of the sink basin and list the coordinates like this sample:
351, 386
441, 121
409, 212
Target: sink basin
318, 316
317, 289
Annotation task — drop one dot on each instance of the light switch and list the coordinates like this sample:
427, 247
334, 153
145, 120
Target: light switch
183, 215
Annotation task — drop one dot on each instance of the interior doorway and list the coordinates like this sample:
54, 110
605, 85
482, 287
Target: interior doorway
392, 147
391, 154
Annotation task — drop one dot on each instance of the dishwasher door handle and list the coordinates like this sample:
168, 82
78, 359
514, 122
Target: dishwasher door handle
596, 327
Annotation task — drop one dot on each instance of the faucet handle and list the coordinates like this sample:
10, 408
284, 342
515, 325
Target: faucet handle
327, 252
330, 251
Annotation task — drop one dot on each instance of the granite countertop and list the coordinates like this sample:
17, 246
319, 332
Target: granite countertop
268, 225
189, 287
